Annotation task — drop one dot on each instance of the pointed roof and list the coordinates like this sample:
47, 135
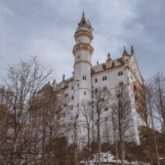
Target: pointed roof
125, 53
83, 20
84, 23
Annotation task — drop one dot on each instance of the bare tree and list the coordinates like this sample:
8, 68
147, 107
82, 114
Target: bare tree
121, 118
101, 99
47, 114
114, 128
149, 118
87, 113
22, 81
158, 88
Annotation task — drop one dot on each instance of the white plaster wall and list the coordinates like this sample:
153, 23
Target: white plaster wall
112, 78
82, 55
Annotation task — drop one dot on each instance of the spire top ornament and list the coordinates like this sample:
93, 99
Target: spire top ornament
132, 50
83, 14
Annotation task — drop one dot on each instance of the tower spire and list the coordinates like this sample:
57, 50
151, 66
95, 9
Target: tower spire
83, 14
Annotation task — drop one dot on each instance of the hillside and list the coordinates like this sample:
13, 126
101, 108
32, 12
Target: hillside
145, 153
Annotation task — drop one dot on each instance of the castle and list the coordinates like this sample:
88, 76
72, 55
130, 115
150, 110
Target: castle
109, 75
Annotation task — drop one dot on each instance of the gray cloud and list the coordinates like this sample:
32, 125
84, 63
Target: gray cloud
46, 29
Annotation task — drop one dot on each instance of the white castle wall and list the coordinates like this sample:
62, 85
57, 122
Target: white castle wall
79, 91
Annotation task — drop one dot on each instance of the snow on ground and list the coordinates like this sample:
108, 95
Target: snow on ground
108, 158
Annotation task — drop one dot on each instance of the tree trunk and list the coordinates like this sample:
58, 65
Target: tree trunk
88, 144
99, 143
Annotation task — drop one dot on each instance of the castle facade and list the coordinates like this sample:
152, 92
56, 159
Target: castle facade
108, 76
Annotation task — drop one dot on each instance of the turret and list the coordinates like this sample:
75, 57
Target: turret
109, 61
126, 56
82, 51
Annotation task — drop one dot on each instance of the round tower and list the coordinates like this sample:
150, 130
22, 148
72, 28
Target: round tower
82, 51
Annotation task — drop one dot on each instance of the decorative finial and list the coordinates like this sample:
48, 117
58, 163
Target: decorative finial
124, 48
63, 77
109, 56
132, 50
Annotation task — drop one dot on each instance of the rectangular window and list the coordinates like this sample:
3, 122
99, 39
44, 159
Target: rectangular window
95, 80
106, 109
84, 77
121, 84
72, 97
104, 78
120, 73
136, 98
106, 118
95, 90
105, 88
118, 95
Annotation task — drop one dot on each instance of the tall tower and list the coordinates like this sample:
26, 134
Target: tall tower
82, 51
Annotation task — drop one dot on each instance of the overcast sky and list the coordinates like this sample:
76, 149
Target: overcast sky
46, 27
